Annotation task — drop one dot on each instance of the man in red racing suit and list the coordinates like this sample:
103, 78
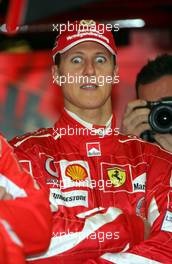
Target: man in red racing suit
25, 215
95, 198
102, 185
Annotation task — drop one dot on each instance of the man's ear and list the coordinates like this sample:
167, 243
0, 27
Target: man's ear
116, 70
55, 74
115, 74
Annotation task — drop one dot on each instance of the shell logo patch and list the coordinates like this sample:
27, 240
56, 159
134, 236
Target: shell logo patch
76, 172
117, 176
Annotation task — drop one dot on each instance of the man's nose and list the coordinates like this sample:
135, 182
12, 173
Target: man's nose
89, 68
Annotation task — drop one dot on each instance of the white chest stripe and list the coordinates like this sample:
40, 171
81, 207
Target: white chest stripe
128, 258
87, 213
11, 187
63, 243
153, 212
33, 136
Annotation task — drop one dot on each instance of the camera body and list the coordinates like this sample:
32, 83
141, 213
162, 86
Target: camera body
160, 118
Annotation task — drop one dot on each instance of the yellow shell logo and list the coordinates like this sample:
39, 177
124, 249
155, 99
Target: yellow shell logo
87, 22
76, 172
117, 176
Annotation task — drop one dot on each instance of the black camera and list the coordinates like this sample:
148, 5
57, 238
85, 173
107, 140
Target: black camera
160, 118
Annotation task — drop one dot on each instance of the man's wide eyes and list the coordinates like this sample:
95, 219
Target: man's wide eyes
100, 59
76, 59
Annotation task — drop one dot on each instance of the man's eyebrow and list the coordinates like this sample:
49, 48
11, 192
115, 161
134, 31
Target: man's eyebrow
78, 52
101, 53
82, 52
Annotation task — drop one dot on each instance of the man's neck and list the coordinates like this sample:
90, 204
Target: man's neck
98, 116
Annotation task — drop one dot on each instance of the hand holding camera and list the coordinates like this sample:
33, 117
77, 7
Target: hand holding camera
136, 118
152, 121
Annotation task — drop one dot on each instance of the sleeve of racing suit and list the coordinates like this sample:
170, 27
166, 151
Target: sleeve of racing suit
29, 213
158, 247
11, 248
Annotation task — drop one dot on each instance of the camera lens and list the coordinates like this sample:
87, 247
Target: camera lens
164, 118
160, 119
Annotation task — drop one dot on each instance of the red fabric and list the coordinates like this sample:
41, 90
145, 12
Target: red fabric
11, 249
145, 172
30, 209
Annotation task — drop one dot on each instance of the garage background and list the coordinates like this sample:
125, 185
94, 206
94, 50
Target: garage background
28, 98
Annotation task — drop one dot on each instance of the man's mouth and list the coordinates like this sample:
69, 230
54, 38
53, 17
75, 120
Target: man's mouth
89, 86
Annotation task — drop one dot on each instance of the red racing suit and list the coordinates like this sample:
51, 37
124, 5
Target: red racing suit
11, 248
100, 186
28, 213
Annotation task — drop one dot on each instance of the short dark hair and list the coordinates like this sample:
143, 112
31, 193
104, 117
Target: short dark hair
57, 59
153, 70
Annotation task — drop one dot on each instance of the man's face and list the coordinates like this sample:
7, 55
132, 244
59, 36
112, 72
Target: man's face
86, 59
157, 89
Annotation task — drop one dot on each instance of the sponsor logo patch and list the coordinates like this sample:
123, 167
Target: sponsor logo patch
50, 168
68, 199
117, 176
140, 207
76, 172
167, 222
139, 183
93, 149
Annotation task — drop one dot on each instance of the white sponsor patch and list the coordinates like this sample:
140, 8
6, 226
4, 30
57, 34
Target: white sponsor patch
93, 149
68, 199
167, 223
75, 174
139, 183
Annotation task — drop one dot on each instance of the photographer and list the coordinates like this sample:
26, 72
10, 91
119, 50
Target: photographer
153, 83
